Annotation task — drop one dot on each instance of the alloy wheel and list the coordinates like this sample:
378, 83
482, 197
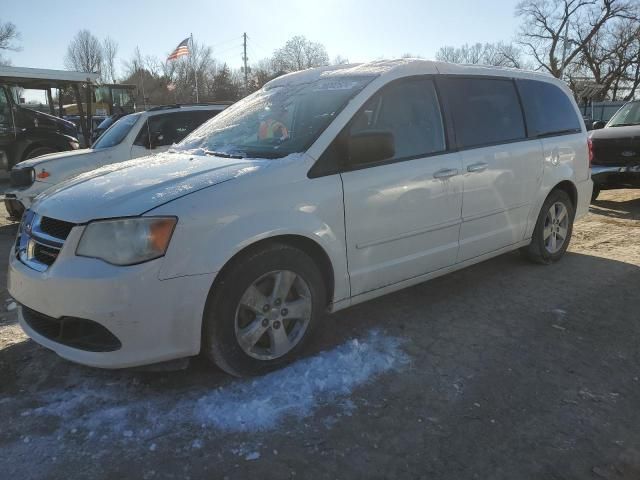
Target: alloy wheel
273, 315
556, 227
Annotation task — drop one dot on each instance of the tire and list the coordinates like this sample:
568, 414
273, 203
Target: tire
542, 250
595, 193
227, 317
39, 151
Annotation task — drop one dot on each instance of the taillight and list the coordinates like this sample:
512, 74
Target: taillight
590, 144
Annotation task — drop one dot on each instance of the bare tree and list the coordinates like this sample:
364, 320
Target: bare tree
555, 32
298, 54
496, 54
109, 51
84, 53
339, 60
8, 35
612, 59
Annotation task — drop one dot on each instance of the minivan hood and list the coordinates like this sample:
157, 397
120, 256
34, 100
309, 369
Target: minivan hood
34, 162
137, 186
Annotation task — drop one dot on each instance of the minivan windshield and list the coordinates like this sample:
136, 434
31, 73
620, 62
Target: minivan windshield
276, 121
629, 114
116, 132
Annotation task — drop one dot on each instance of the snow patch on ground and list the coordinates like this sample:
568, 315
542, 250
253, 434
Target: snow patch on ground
300, 388
120, 412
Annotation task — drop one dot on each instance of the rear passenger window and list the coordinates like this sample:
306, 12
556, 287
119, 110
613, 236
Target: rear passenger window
410, 111
548, 109
485, 111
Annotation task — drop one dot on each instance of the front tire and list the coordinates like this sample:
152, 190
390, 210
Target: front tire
263, 311
553, 229
595, 193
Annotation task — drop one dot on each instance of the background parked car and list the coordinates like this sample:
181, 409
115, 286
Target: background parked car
616, 151
132, 136
26, 133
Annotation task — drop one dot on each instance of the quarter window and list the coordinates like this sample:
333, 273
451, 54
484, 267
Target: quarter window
548, 109
410, 111
485, 111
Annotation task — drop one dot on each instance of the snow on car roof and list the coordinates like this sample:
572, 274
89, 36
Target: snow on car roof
403, 67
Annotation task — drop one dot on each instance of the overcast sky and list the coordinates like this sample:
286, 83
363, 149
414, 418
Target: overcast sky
359, 30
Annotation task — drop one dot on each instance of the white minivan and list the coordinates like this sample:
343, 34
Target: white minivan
324, 189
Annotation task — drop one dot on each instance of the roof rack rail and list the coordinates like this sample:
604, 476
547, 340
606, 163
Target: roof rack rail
180, 105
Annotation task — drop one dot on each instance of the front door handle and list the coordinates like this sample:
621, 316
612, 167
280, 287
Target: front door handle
446, 173
477, 167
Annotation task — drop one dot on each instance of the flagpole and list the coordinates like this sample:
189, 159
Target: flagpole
195, 72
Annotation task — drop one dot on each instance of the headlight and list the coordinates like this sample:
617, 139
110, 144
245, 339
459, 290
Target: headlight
127, 241
74, 145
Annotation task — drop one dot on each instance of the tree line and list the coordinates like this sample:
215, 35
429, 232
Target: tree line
162, 82
594, 45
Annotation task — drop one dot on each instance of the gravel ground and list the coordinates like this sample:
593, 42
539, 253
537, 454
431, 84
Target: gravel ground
504, 370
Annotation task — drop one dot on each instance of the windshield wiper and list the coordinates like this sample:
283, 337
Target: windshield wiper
223, 154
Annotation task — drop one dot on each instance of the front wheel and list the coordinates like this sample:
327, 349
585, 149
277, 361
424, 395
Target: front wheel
553, 229
263, 310
595, 193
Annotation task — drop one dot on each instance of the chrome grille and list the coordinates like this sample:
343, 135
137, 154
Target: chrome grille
40, 240
56, 228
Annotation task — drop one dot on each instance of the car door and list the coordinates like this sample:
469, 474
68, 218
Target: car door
402, 215
501, 167
7, 131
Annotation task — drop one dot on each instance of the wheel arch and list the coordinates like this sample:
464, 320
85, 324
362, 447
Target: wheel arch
33, 146
306, 244
570, 189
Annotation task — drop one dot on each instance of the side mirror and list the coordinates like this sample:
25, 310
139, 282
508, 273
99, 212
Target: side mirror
598, 125
371, 146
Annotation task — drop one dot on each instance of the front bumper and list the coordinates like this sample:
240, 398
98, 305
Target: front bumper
616, 176
17, 200
154, 320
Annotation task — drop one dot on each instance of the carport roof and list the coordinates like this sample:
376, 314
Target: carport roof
40, 78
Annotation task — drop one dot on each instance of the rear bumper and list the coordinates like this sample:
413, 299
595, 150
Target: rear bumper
584, 198
616, 176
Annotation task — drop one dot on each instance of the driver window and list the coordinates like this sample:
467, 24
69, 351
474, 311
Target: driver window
411, 112
158, 131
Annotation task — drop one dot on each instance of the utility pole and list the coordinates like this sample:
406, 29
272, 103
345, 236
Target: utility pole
245, 59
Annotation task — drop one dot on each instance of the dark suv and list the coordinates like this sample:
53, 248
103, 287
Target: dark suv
26, 133
616, 150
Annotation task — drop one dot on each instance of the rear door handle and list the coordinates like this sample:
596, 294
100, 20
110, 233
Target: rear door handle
477, 167
446, 173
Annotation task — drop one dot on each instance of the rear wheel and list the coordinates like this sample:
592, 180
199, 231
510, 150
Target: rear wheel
263, 311
553, 229
39, 151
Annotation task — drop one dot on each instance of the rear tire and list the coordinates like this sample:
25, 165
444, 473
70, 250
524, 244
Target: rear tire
595, 193
38, 152
553, 230
249, 325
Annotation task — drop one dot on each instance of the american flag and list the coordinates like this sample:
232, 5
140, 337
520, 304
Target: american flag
181, 49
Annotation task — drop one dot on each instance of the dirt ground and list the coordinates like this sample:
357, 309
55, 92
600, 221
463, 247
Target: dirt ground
510, 371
